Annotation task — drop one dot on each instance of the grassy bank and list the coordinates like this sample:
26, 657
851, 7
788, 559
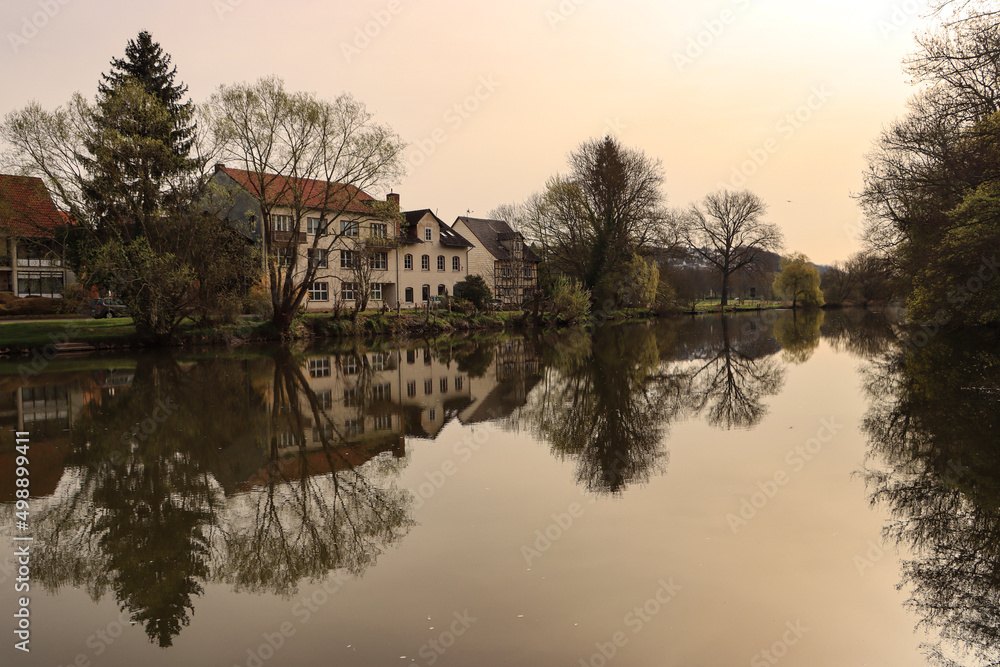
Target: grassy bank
19, 338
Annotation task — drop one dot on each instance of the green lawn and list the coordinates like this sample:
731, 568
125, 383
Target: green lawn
38, 334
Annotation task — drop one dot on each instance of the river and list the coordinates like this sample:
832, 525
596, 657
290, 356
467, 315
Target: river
796, 488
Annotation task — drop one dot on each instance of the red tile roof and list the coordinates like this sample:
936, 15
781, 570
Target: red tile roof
26, 209
313, 194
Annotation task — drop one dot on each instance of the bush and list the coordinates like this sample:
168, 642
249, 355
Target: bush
32, 305
75, 299
570, 300
475, 290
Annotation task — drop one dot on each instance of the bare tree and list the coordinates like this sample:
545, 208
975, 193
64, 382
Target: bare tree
310, 156
727, 230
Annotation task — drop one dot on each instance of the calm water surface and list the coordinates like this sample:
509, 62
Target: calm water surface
755, 490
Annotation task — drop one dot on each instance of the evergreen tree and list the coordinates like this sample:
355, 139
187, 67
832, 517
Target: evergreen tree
146, 63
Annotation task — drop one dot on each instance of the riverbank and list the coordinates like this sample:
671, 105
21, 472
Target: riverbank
18, 338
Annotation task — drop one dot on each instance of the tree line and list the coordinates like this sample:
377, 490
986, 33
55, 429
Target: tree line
134, 170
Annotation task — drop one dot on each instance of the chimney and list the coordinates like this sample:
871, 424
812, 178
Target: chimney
219, 166
393, 197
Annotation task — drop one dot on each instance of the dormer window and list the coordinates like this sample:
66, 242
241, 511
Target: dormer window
517, 246
428, 234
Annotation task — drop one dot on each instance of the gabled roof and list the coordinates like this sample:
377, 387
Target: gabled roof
448, 236
26, 209
490, 233
312, 193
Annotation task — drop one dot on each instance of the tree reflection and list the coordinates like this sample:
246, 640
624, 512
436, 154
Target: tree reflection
313, 510
740, 371
187, 476
606, 405
933, 426
798, 334
860, 331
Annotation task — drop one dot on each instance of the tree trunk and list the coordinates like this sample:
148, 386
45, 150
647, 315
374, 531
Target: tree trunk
725, 288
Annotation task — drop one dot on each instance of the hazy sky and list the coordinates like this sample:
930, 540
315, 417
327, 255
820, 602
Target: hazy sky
780, 96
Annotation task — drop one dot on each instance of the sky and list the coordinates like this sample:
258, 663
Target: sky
783, 97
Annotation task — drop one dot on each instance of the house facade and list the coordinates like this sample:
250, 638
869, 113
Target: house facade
430, 259
501, 257
31, 263
361, 254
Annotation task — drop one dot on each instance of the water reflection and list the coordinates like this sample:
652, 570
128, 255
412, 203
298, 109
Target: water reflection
933, 428
261, 469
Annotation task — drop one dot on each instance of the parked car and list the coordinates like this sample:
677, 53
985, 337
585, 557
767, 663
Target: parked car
109, 306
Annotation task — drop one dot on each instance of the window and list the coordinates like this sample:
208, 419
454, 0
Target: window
347, 259
442, 290
411, 388
39, 283
352, 397
315, 226
319, 292
409, 295
348, 292
376, 292
456, 263
382, 392
325, 399
317, 258
426, 292
517, 246
281, 223
378, 230
354, 427
440, 262
380, 261
348, 228
427, 357
432, 415
458, 383
351, 365
505, 272
444, 385
528, 272
425, 263
428, 234
411, 356
383, 422
428, 387
380, 361
323, 433
285, 257
319, 368
408, 262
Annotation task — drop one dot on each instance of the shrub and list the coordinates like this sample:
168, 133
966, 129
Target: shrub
475, 290
570, 300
